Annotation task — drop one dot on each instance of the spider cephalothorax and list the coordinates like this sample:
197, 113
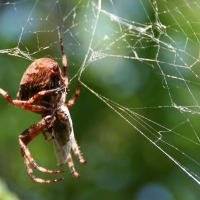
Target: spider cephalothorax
43, 90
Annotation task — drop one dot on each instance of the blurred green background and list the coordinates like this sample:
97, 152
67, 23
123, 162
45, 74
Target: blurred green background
121, 162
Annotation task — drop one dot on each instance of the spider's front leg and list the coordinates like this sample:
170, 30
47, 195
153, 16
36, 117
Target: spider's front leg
28, 104
25, 138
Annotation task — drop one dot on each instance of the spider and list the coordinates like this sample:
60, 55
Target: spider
43, 90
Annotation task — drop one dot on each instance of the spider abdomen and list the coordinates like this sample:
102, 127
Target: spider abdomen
43, 74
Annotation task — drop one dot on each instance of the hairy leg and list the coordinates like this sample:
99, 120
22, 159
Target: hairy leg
77, 152
27, 136
71, 166
70, 103
28, 104
64, 62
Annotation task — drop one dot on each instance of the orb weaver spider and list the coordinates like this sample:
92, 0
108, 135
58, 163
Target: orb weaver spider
43, 90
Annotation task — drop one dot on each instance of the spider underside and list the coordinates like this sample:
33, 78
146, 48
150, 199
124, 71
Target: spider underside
43, 89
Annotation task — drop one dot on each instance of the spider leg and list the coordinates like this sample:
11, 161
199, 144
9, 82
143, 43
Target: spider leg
27, 104
46, 137
71, 166
70, 103
42, 93
26, 137
32, 176
77, 152
65, 72
64, 62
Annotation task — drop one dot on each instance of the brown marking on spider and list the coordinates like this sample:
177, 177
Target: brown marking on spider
43, 89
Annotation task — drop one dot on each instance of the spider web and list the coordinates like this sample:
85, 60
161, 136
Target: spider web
144, 54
